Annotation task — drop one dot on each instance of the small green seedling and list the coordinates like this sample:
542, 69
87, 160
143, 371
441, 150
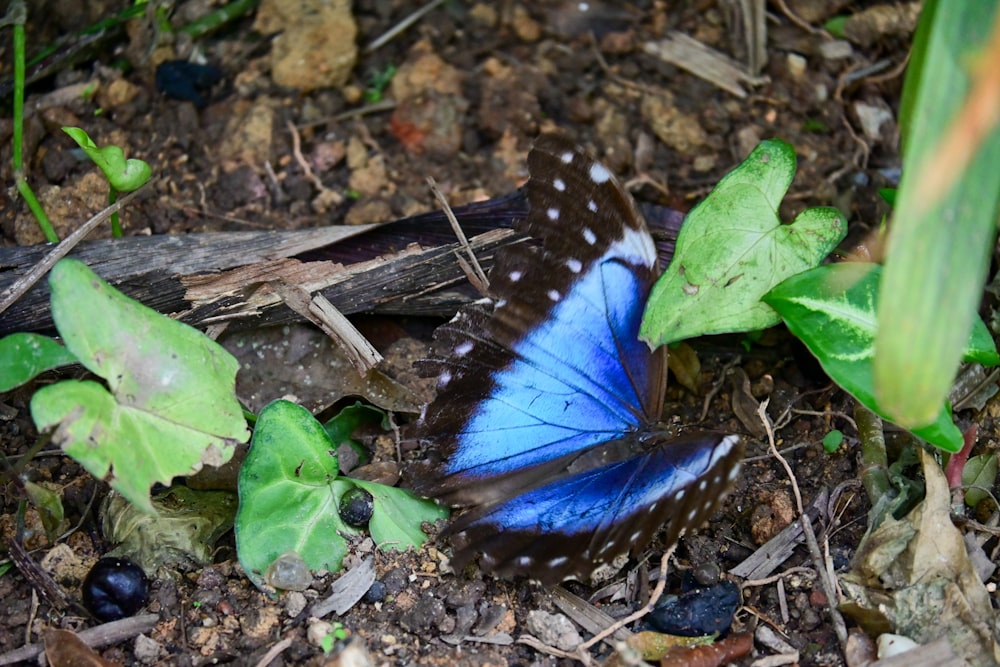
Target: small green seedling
290, 489
123, 175
379, 82
168, 405
832, 441
733, 249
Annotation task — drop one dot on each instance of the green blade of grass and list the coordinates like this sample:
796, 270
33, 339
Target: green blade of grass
940, 243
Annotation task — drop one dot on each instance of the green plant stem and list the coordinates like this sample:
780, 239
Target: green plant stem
116, 225
19, 15
874, 461
218, 18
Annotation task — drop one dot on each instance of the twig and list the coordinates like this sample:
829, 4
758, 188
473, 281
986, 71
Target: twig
646, 608
96, 637
390, 34
274, 652
335, 197
831, 599
797, 20
472, 267
26, 282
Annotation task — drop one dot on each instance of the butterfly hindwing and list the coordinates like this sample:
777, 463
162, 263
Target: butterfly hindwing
571, 526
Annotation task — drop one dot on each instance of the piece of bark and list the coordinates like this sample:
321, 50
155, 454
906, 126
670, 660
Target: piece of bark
405, 267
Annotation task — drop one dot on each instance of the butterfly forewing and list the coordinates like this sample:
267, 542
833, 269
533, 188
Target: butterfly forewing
557, 367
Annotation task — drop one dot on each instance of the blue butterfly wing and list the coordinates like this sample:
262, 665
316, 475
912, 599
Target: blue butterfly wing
547, 400
554, 366
570, 527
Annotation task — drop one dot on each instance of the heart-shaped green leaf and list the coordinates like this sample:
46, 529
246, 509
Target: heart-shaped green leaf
290, 494
172, 404
123, 175
733, 248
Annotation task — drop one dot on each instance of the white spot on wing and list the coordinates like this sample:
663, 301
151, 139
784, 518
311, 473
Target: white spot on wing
589, 236
566, 157
554, 295
444, 379
553, 214
463, 348
515, 276
599, 173
592, 206
559, 184
574, 265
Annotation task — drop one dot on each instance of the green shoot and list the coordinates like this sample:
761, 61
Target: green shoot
17, 15
123, 175
379, 82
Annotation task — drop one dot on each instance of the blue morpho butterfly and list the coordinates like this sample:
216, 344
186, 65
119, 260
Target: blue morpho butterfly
547, 406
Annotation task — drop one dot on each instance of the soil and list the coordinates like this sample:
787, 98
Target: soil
474, 84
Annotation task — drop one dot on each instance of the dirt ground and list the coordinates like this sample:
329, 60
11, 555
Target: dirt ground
474, 84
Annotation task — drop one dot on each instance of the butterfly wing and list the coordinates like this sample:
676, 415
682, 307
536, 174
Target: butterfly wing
570, 527
554, 366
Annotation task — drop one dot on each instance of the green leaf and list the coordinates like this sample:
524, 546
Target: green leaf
733, 248
290, 493
342, 426
832, 310
832, 441
24, 356
979, 471
49, 506
944, 224
123, 175
171, 407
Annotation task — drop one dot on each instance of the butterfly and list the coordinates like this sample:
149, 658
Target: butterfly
547, 407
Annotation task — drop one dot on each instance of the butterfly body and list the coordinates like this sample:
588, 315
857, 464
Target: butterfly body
548, 402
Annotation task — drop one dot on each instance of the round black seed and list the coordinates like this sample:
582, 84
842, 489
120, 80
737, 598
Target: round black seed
115, 588
356, 507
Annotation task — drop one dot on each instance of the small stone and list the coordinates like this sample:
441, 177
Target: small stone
836, 49
315, 46
289, 572
295, 603
554, 630
526, 28
147, 651
681, 132
796, 65
873, 118
318, 631
483, 14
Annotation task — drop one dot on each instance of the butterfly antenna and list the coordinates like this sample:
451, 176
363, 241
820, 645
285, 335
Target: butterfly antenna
472, 268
